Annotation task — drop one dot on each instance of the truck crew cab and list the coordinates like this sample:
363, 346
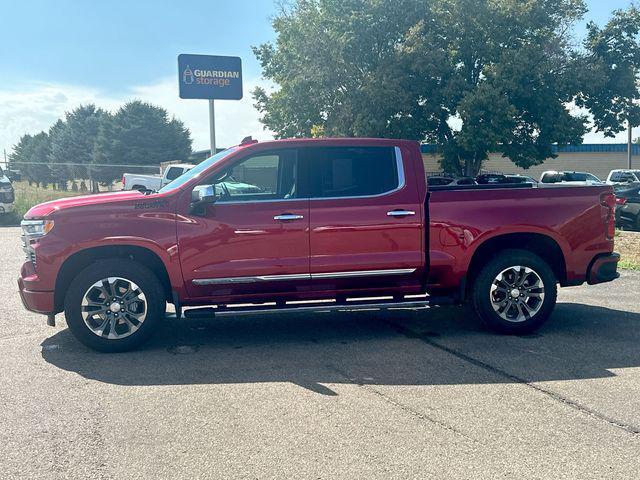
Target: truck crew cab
338, 220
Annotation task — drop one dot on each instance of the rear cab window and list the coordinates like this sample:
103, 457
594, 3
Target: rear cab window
174, 172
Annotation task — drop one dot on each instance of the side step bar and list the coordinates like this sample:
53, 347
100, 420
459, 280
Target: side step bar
330, 306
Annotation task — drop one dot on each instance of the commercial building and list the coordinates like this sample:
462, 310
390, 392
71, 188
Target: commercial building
598, 159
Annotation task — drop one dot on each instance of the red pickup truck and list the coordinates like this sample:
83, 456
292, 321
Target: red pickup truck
306, 224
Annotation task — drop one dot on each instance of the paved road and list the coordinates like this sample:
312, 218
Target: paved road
363, 395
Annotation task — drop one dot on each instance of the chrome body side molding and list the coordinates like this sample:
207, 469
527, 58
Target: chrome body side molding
302, 276
363, 273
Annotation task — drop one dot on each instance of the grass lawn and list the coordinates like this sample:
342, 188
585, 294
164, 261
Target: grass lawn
628, 245
29, 195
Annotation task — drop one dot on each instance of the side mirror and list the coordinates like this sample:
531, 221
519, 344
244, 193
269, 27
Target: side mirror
201, 196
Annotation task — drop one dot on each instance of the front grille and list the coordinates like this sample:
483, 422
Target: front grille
7, 197
30, 254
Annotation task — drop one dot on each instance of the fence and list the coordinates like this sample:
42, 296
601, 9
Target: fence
35, 183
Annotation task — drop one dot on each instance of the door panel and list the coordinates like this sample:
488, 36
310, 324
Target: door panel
255, 238
364, 241
223, 252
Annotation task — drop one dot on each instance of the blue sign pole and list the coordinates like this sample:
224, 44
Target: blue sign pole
212, 126
210, 77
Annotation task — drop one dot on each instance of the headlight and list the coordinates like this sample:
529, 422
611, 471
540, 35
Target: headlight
31, 230
36, 228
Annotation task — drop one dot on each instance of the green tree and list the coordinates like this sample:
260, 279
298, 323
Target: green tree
143, 134
30, 156
73, 140
612, 65
19, 155
472, 76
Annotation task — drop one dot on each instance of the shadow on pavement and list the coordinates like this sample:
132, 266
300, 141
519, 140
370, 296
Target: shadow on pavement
429, 347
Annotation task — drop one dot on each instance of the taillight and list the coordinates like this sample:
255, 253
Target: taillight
621, 201
608, 200
123, 181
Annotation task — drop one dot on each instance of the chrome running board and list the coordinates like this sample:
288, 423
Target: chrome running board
317, 306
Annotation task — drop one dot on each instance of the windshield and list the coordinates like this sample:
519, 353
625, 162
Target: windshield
197, 170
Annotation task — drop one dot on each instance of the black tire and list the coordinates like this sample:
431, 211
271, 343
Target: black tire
523, 321
132, 271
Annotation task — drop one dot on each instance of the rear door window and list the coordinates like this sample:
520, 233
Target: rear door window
338, 172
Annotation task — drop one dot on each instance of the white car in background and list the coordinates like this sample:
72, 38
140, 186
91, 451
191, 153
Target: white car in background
7, 195
132, 181
569, 178
622, 176
136, 181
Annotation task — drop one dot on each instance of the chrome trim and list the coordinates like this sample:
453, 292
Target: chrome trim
288, 216
400, 213
344, 307
363, 273
301, 276
257, 279
276, 200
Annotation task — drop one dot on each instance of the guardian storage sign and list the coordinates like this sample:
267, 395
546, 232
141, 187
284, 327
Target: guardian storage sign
210, 77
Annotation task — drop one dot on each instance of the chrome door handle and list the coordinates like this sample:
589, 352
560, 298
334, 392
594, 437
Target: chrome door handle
288, 216
400, 213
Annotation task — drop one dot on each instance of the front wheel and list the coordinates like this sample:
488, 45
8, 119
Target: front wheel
515, 292
114, 305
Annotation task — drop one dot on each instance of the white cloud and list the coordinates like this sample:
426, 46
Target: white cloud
37, 106
235, 119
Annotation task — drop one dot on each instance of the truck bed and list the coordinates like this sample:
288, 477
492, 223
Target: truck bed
463, 217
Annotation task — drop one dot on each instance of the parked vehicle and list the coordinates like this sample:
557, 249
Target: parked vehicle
617, 177
443, 180
438, 180
331, 222
137, 181
628, 206
7, 195
517, 178
493, 178
570, 178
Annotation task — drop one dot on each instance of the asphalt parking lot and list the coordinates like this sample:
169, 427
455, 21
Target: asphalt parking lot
405, 394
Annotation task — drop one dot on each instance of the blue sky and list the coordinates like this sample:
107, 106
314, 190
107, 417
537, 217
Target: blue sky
58, 54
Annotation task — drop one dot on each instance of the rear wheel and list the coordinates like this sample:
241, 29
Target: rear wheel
515, 292
114, 305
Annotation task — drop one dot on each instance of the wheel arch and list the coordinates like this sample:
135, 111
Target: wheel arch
83, 258
538, 243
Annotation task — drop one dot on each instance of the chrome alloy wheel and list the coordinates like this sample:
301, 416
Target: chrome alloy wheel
114, 308
517, 294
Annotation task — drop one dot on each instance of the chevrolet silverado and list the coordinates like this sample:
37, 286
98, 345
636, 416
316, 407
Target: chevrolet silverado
327, 223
